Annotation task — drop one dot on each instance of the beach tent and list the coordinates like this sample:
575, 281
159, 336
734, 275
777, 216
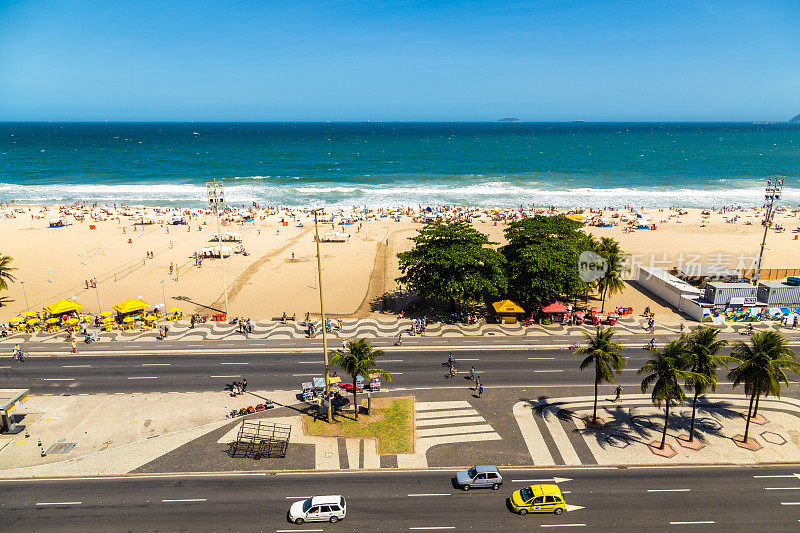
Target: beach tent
63, 306
227, 236
214, 251
335, 236
131, 305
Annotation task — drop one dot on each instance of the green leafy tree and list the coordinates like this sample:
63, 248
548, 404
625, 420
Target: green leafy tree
359, 360
611, 282
606, 355
452, 261
762, 366
542, 257
702, 350
666, 369
6, 276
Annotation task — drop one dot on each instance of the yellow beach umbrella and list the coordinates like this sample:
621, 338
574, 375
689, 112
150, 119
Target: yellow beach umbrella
128, 319
175, 310
131, 305
150, 318
33, 320
63, 306
106, 313
108, 319
51, 320
576, 217
16, 319
28, 313
72, 321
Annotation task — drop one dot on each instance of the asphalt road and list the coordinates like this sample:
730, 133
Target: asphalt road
662, 499
203, 371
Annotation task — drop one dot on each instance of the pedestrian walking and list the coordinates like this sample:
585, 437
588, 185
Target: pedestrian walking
74, 347
472, 373
618, 398
480, 391
244, 385
477, 382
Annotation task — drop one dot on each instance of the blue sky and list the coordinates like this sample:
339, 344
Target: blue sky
405, 60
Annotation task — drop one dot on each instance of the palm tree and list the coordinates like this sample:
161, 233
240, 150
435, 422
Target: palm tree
667, 369
606, 354
702, 349
5, 271
359, 360
611, 282
761, 368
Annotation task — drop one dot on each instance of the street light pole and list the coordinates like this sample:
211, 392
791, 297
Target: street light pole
25, 293
322, 314
97, 292
216, 196
164, 296
772, 193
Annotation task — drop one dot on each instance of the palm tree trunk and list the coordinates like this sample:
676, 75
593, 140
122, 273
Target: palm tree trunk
369, 404
355, 396
749, 412
666, 423
603, 296
755, 410
694, 412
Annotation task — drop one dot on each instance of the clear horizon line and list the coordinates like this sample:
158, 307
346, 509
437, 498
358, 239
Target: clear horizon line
498, 121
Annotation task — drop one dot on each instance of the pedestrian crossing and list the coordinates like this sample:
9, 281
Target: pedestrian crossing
450, 422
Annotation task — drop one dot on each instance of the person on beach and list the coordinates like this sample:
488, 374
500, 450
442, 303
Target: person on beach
618, 398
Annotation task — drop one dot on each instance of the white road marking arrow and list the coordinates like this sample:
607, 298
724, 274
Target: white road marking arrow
574, 507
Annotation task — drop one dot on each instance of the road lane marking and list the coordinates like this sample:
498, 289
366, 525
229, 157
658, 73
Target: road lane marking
156, 364
780, 475
430, 528
186, 500
541, 358
781, 488
293, 530
466, 359
143, 377
555, 480
59, 503
305, 375
234, 363
541, 371
431, 494
692, 523
58, 379
194, 345
790, 503
668, 490
226, 376
297, 497
76, 366
563, 525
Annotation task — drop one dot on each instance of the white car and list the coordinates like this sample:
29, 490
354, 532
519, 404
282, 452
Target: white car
318, 509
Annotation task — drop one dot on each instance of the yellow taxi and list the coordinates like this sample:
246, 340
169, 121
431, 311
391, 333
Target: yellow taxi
538, 499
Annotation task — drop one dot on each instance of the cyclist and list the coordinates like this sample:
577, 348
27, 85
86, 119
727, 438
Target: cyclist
472, 373
17, 352
450, 358
652, 344
452, 371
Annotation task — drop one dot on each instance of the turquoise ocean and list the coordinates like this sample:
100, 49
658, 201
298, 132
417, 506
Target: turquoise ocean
393, 164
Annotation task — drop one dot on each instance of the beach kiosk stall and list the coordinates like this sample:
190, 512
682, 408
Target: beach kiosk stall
553, 312
507, 311
10, 399
128, 310
215, 251
227, 236
62, 307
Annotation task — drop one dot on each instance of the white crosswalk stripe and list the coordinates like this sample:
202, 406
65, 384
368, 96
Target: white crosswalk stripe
450, 422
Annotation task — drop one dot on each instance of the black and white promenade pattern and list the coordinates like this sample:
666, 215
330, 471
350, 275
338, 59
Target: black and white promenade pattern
355, 328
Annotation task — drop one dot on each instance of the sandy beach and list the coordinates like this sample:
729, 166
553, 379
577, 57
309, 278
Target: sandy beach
278, 274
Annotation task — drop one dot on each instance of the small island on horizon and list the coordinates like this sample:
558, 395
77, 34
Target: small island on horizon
795, 119
509, 120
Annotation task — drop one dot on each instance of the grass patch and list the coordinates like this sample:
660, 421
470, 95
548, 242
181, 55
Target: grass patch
391, 423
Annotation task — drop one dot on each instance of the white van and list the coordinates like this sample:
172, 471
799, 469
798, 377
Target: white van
318, 509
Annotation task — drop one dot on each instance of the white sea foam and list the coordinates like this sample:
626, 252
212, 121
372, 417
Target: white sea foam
482, 193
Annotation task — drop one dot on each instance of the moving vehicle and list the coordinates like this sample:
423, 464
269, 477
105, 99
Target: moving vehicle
538, 499
479, 477
318, 509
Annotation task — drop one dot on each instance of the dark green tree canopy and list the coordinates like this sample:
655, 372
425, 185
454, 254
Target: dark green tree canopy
452, 261
542, 258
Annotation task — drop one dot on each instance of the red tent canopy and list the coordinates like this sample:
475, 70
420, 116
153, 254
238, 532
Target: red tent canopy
555, 307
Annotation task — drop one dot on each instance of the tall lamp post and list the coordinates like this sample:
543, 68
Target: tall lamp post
324, 329
164, 296
771, 193
216, 197
97, 292
25, 293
